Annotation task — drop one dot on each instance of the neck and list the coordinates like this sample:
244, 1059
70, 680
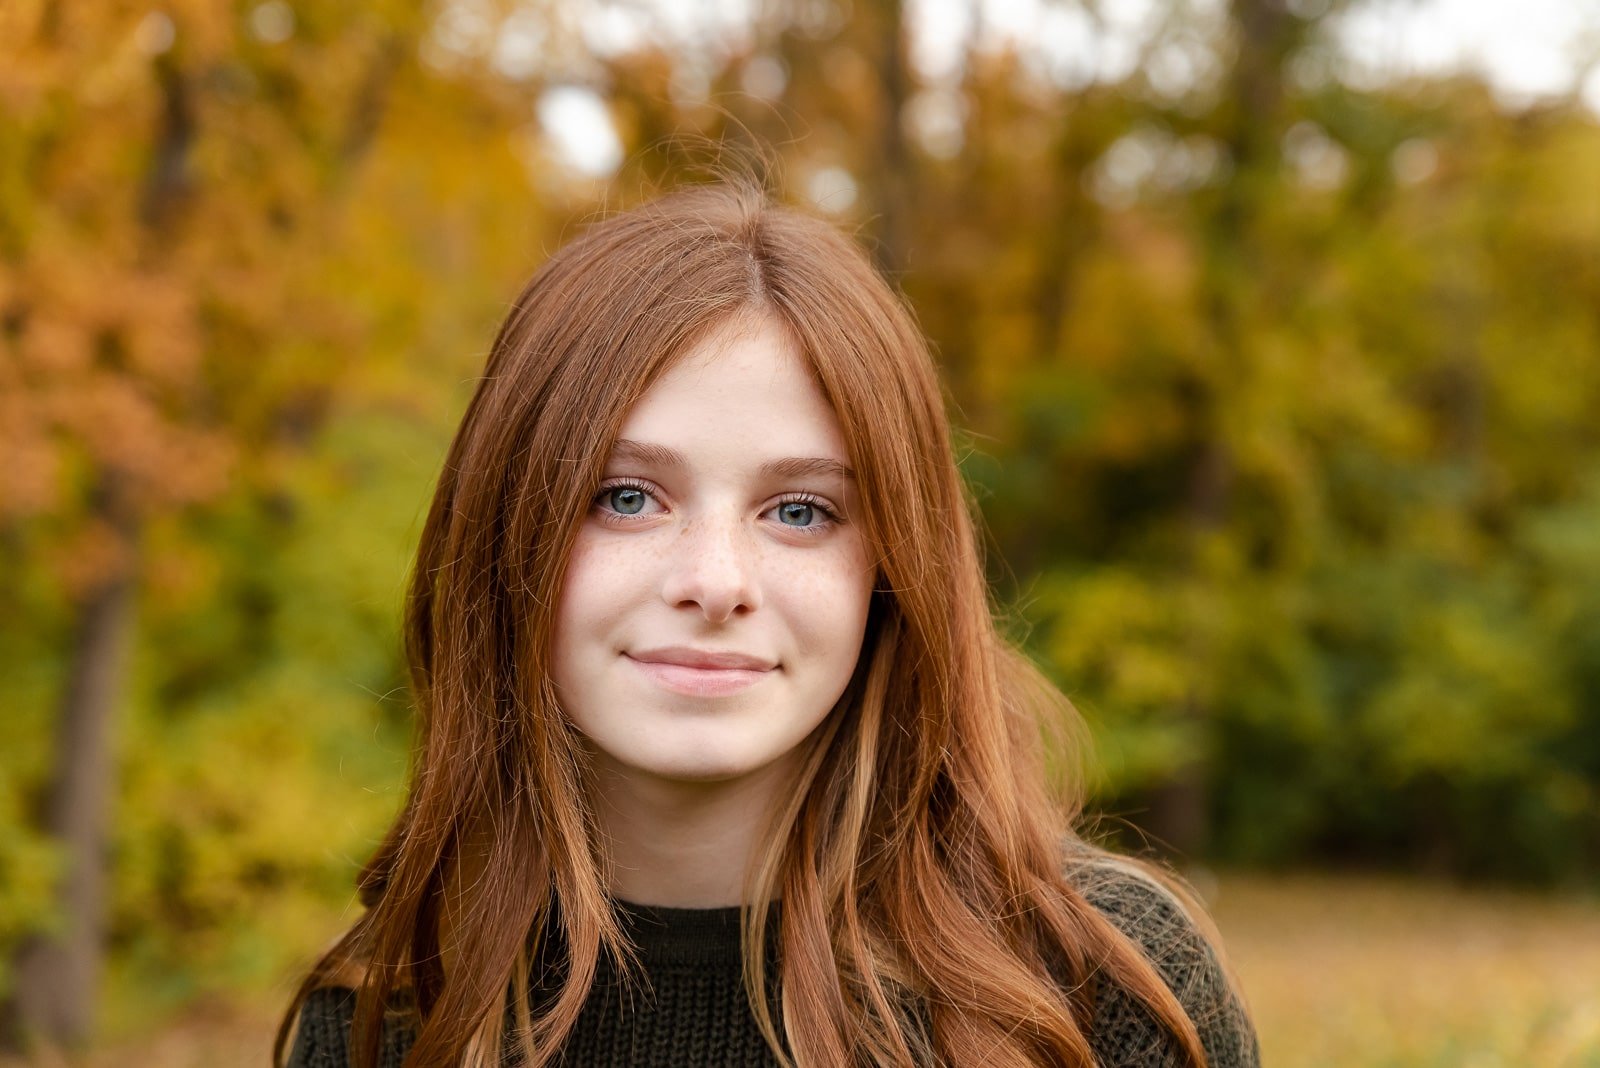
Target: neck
683, 844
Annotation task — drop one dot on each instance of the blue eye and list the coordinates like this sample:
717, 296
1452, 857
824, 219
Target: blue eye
796, 514
626, 500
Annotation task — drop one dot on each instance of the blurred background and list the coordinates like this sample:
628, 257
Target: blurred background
1272, 328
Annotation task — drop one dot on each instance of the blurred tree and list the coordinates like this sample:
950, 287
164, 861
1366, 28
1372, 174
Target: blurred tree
172, 312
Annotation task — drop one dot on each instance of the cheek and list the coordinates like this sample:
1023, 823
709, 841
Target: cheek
827, 601
589, 597
599, 582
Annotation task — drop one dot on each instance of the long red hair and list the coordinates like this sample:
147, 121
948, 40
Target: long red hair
927, 916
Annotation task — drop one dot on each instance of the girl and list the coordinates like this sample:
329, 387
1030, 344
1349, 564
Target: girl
720, 758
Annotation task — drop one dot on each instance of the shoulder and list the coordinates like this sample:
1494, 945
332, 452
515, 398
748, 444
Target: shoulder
322, 1035
1157, 921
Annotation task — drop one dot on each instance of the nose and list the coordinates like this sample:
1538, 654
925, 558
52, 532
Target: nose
713, 568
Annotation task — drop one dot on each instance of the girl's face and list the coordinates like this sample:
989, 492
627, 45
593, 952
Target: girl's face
716, 598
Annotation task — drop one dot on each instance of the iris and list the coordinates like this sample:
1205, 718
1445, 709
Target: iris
634, 499
797, 510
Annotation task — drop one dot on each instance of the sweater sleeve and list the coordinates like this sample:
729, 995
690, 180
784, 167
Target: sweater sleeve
322, 1037
1126, 1035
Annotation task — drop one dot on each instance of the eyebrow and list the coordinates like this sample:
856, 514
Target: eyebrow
789, 467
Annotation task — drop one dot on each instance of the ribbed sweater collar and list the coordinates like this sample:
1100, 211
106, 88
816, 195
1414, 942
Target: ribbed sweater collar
676, 937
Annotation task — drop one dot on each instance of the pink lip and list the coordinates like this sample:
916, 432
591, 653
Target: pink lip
684, 656
698, 673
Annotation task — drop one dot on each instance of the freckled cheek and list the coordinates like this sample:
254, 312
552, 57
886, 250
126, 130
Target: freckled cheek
604, 579
824, 598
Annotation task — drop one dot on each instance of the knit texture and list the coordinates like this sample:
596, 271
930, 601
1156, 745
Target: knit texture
693, 1010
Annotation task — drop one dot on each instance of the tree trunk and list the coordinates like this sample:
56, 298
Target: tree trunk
56, 974
893, 158
1267, 35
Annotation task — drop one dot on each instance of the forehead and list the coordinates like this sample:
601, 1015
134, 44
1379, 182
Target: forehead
744, 389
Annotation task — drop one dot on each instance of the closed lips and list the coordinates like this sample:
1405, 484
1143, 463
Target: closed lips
701, 659
700, 674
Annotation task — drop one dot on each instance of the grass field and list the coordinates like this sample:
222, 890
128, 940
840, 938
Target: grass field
1338, 971
1391, 974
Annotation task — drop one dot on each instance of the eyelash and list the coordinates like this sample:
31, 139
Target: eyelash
618, 518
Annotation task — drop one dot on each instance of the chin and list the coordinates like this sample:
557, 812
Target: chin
701, 756
703, 768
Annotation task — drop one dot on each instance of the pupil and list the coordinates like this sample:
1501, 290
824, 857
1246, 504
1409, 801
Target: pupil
627, 501
796, 510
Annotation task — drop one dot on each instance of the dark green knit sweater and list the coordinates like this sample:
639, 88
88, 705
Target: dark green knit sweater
695, 1010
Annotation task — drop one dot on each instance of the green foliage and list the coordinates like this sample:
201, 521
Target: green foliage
264, 756
1300, 492
1119, 637
32, 641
